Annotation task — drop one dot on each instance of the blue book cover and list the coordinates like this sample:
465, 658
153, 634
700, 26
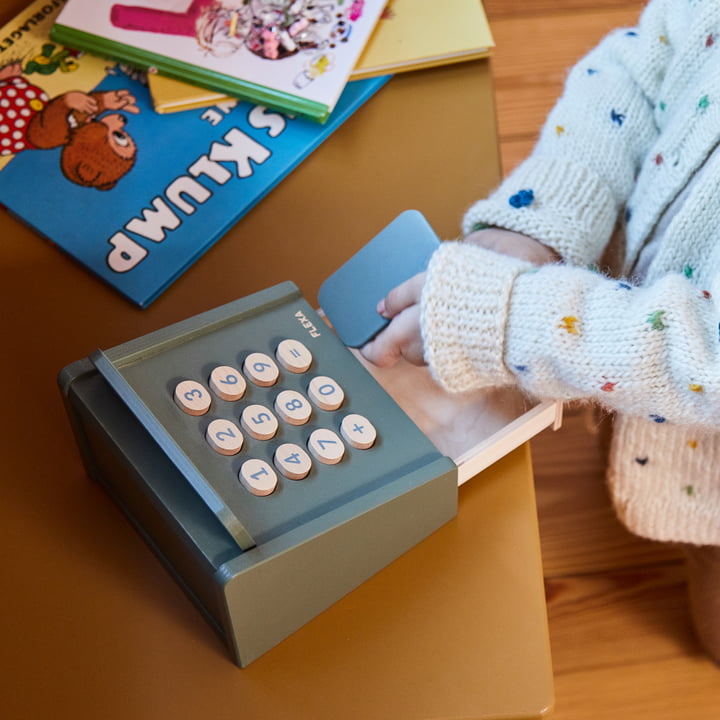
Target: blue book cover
134, 195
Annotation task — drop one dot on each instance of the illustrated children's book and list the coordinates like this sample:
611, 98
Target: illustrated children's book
291, 55
411, 34
135, 196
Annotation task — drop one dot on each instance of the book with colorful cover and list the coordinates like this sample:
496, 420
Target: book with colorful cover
135, 196
291, 55
410, 35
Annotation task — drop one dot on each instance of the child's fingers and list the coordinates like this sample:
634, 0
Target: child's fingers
400, 339
402, 296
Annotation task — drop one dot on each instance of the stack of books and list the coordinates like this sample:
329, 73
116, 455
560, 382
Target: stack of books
134, 135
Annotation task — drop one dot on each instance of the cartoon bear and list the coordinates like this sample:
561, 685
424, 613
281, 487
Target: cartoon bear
96, 149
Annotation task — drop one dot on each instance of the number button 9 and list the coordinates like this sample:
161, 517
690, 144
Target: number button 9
261, 369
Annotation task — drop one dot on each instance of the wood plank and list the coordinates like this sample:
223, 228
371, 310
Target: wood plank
638, 616
525, 8
678, 688
531, 60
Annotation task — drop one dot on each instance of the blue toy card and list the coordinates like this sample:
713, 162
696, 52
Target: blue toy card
349, 297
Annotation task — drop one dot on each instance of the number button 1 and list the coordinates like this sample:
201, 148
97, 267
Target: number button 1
227, 383
258, 477
192, 397
224, 436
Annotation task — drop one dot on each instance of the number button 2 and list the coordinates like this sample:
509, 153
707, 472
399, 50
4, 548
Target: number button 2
224, 436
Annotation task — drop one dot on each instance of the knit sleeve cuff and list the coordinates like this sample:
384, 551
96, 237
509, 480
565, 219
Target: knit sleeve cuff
563, 205
464, 314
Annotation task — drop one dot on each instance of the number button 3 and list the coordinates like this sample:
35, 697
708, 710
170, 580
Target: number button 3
192, 397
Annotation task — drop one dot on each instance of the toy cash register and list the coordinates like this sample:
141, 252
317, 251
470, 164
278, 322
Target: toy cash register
265, 466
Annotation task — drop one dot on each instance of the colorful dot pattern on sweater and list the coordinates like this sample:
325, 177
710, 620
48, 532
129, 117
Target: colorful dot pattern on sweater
630, 344
522, 198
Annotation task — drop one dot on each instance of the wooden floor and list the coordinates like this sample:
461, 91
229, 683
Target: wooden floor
621, 639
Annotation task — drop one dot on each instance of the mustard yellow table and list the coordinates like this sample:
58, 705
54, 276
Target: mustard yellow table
91, 626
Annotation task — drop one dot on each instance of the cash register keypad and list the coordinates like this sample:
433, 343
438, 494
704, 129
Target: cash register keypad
281, 409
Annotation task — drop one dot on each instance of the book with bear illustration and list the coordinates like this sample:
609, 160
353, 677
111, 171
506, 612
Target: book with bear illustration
290, 55
135, 196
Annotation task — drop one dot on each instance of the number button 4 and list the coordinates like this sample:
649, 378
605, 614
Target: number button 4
292, 461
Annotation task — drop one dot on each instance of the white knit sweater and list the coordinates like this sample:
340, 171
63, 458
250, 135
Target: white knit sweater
639, 116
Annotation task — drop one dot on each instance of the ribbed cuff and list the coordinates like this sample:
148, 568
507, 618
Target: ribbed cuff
464, 312
563, 205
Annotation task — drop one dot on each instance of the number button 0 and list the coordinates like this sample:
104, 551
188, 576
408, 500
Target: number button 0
261, 369
326, 393
227, 383
358, 431
294, 356
259, 422
192, 397
224, 436
292, 461
258, 477
326, 446
293, 407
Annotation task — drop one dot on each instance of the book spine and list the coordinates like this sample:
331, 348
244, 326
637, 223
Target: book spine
186, 72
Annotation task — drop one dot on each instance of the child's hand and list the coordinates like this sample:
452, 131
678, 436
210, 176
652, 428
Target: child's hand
402, 337
514, 244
